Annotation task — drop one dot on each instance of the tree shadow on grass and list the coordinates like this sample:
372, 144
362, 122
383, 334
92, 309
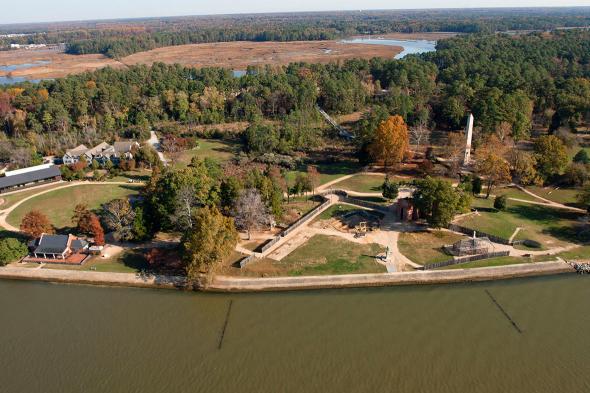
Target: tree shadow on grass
332, 167
550, 219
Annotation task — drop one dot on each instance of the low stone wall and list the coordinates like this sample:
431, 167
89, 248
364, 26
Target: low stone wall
466, 259
235, 284
245, 261
94, 278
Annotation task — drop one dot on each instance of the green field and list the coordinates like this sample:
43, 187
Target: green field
59, 204
565, 196
220, 150
128, 261
323, 255
549, 226
577, 253
11, 199
335, 211
362, 183
328, 171
425, 248
501, 261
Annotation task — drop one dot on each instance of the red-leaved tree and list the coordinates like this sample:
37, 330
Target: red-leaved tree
96, 230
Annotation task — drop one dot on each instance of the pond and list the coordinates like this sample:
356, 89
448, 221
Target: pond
439, 338
9, 79
410, 46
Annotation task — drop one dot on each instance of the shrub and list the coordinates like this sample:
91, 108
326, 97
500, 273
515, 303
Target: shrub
576, 174
501, 202
11, 250
582, 157
476, 185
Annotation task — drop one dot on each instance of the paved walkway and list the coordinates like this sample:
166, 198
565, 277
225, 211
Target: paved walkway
155, 142
4, 213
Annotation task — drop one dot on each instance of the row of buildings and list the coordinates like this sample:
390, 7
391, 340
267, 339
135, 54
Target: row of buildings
102, 153
47, 173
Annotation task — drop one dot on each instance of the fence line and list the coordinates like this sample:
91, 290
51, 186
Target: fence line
469, 232
470, 258
305, 218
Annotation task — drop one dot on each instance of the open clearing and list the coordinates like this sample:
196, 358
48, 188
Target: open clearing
329, 171
129, 261
241, 54
425, 248
549, 226
234, 55
362, 183
11, 199
59, 205
324, 255
219, 150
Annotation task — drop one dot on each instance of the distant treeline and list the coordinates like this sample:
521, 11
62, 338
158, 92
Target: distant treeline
506, 81
117, 39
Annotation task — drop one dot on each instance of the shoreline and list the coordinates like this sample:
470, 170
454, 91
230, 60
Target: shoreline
237, 284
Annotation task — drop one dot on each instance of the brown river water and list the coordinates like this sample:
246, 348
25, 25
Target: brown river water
535, 337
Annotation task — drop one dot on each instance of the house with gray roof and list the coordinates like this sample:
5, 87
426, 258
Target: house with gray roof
102, 153
72, 156
58, 249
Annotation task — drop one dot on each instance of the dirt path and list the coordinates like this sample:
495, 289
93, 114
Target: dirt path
545, 202
6, 212
155, 143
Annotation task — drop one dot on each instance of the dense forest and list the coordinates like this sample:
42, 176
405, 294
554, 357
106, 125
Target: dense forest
539, 78
118, 39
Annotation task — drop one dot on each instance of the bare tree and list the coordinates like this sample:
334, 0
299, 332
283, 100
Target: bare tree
250, 211
186, 200
419, 134
118, 217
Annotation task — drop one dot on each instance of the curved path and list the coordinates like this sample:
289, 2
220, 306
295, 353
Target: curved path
4, 213
545, 201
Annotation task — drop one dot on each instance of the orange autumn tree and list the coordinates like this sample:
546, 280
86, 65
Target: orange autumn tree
35, 223
96, 230
392, 141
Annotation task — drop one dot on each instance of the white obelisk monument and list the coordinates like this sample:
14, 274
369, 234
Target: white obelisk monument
469, 134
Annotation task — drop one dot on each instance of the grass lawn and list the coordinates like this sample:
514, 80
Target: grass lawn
323, 255
362, 183
220, 150
328, 171
11, 199
140, 175
566, 196
374, 199
425, 248
513, 192
298, 207
128, 261
548, 226
577, 253
335, 211
59, 205
501, 261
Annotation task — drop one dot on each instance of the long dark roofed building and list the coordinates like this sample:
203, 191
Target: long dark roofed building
28, 178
